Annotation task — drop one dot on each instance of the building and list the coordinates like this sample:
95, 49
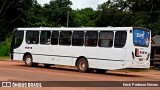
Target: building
155, 52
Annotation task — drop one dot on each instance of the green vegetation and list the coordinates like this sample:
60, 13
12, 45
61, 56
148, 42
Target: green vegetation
133, 70
118, 13
137, 70
5, 47
139, 13
4, 58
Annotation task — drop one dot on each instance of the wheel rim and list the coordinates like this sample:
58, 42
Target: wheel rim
28, 60
82, 65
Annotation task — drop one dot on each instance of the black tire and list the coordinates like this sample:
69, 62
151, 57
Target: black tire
28, 61
47, 65
82, 65
102, 71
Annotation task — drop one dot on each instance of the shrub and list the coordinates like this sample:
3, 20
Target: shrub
5, 47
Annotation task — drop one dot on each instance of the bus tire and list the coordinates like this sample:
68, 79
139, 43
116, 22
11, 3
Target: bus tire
82, 65
47, 65
102, 71
28, 61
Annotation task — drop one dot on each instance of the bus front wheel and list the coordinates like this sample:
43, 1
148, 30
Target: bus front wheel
82, 65
28, 61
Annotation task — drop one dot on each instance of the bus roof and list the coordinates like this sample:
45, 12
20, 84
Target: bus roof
75, 28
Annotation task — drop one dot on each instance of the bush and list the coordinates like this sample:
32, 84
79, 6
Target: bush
5, 47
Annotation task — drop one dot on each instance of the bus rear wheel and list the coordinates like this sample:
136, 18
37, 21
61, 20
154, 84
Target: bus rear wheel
82, 65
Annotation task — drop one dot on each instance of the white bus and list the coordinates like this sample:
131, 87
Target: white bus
87, 48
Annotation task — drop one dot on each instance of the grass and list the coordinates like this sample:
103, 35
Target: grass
138, 70
4, 58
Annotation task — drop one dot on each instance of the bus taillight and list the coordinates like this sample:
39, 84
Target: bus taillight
137, 52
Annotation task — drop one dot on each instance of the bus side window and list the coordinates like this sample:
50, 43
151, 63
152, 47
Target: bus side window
54, 37
65, 38
78, 38
91, 38
120, 39
32, 37
106, 38
45, 37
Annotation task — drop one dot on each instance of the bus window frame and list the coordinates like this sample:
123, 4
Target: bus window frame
69, 39
106, 39
33, 35
46, 42
119, 39
13, 39
86, 42
54, 37
83, 40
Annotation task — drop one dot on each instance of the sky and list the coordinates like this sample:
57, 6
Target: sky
79, 4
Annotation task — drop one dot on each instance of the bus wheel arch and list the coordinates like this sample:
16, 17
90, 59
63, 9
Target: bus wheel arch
27, 53
82, 64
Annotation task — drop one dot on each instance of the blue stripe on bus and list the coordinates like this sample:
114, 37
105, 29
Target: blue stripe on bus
70, 56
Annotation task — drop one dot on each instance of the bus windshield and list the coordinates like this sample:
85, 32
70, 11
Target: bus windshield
141, 37
17, 39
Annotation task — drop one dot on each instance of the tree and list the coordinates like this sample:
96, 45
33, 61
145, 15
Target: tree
84, 17
56, 12
138, 13
12, 14
110, 14
35, 16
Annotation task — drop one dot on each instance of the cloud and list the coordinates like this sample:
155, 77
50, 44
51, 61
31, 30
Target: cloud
43, 1
86, 3
80, 3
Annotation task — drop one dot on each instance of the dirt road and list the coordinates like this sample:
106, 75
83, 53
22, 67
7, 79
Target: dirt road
17, 71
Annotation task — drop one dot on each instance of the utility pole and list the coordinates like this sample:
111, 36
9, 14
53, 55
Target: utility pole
67, 18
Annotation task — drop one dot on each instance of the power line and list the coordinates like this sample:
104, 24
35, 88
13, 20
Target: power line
111, 13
